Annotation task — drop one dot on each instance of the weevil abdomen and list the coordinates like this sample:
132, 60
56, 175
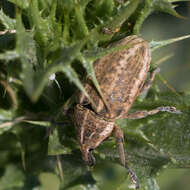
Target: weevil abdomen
120, 75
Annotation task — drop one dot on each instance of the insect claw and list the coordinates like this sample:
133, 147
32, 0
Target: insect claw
170, 109
133, 177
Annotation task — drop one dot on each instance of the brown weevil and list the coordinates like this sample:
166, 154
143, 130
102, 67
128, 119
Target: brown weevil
121, 76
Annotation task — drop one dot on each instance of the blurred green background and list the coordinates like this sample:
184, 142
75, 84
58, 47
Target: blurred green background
160, 26
175, 70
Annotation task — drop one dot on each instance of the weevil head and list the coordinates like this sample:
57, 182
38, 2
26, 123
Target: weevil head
91, 131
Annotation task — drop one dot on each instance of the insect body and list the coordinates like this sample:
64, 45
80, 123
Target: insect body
121, 77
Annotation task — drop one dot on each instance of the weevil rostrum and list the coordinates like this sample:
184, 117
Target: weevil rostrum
121, 76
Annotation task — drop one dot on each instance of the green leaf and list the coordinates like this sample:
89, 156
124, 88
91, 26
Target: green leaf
72, 75
149, 6
84, 187
23, 4
178, 0
81, 24
151, 184
25, 46
123, 14
5, 120
88, 65
125, 11
165, 6
59, 66
66, 32
9, 55
104, 8
42, 29
8, 23
46, 28
54, 145
37, 80
158, 44
75, 173
109, 176
7, 40
13, 177
39, 123
49, 181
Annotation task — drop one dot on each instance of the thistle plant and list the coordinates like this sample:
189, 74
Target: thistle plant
45, 49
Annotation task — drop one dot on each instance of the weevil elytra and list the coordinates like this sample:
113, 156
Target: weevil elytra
121, 77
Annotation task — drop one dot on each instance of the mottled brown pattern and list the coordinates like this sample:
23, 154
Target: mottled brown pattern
91, 129
126, 78
121, 76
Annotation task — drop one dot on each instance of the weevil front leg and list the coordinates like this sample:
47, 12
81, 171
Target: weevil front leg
145, 113
148, 83
118, 133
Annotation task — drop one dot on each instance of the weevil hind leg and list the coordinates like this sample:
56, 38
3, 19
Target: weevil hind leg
118, 133
148, 83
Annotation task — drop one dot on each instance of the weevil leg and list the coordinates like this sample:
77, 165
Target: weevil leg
145, 113
91, 159
87, 155
148, 83
118, 133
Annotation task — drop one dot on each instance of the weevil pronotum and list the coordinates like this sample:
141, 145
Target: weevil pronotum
121, 76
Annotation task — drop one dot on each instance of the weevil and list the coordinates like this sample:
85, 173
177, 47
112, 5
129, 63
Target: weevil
121, 76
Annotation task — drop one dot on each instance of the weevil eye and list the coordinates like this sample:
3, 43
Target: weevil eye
91, 159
